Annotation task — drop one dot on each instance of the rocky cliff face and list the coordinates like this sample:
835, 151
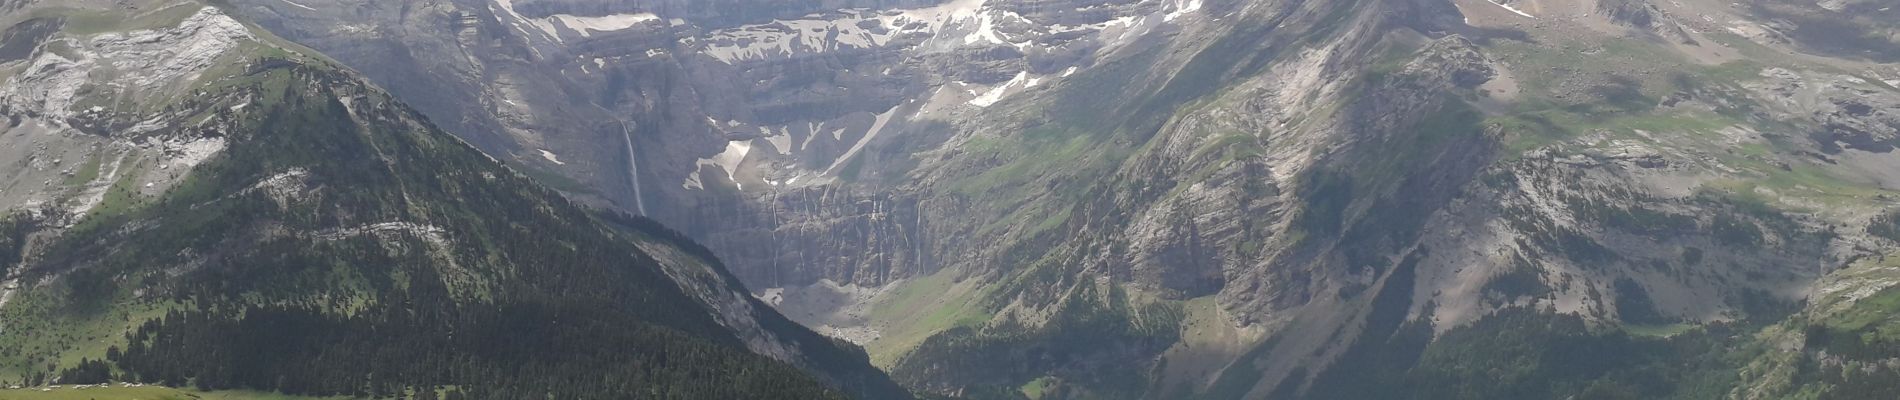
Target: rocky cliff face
168, 159
91, 121
1235, 197
553, 85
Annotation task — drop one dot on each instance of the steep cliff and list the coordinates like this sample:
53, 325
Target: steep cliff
1224, 198
194, 203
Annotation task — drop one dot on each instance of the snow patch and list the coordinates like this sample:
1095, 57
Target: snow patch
299, 6
813, 130
876, 127
772, 297
734, 154
781, 142
508, 7
788, 37
1181, 8
587, 25
1499, 3
727, 160
692, 181
985, 31
996, 94
553, 158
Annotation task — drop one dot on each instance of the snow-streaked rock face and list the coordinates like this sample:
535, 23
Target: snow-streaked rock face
827, 148
1050, 27
556, 27
823, 85
994, 50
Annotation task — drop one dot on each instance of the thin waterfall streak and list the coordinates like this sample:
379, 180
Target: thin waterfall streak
633, 169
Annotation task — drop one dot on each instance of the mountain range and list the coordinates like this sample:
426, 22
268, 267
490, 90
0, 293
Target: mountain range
1043, 199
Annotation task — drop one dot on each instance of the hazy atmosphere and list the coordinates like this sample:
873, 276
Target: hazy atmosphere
949, 199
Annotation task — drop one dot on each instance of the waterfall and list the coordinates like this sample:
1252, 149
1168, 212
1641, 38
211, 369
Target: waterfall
633, 168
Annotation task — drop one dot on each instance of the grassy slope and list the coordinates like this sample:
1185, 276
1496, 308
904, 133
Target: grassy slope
922, 307
70, 392
1493, 359
1832, 348
1628, 112
1040, 181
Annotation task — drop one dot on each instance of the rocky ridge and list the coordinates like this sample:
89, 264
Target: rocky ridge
1234, 195
117, 110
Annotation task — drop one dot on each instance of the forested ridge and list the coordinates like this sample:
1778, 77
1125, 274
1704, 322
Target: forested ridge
343, 246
